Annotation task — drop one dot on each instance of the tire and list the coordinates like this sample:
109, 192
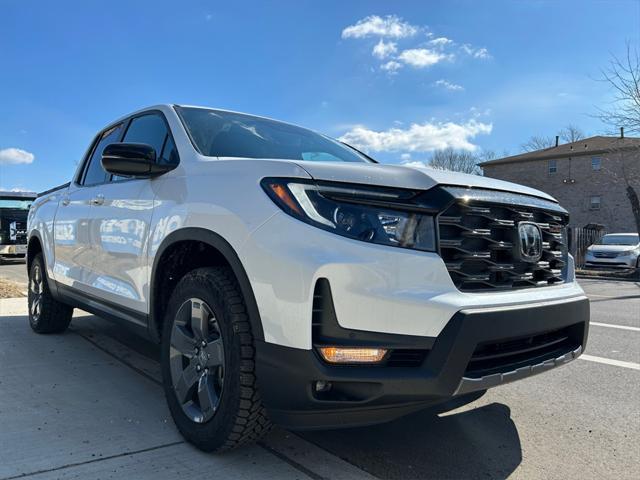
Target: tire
46, 314
211, 387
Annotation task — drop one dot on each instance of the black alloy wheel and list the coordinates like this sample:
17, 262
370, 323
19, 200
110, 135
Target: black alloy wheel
197, 360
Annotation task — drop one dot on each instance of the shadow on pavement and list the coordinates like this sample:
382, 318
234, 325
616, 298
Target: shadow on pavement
478, 443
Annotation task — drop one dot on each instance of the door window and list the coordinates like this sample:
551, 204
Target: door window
94, 174
149, 129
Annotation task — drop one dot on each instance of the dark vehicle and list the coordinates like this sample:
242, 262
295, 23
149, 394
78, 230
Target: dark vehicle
14, 208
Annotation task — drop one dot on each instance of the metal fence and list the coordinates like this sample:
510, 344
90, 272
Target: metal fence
580, 239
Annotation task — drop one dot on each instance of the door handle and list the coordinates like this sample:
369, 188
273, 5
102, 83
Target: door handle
97, 200
65, 201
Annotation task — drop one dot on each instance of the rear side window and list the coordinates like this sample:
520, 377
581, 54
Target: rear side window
94, 173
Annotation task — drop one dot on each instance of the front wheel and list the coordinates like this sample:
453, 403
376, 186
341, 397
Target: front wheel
46, 314
208, 363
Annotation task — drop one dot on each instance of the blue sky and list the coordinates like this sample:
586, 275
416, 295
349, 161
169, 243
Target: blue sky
397, 78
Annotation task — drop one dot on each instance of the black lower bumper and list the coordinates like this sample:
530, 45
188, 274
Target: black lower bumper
477, 349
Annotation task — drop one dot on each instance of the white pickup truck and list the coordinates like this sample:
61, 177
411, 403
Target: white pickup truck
292, 279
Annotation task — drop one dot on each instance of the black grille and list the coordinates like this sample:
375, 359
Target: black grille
406, 358
507, 355
479, 245
605, 254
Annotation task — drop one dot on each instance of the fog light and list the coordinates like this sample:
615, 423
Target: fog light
322, 386
352, 355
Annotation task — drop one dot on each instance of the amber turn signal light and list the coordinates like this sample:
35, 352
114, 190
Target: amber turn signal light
352, 354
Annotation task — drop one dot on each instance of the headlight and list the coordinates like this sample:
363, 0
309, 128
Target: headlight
376, 215
625, 253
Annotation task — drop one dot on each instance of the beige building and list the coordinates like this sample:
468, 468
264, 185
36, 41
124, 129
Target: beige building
588, 177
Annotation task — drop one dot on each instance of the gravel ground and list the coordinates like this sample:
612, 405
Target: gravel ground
10, 289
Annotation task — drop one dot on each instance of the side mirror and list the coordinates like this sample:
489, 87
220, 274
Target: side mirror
132, 160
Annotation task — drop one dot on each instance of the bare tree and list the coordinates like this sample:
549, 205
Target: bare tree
567, 134
485, 155
455, 160
623, 75
538, 142
627, 171
571, 133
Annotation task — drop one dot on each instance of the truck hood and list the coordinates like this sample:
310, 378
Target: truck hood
401, 176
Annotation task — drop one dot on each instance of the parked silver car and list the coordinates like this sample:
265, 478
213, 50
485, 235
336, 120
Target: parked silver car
615, 250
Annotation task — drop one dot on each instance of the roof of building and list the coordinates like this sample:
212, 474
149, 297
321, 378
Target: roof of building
17, 194
586, 146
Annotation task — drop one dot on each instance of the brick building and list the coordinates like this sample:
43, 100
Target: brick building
588, 177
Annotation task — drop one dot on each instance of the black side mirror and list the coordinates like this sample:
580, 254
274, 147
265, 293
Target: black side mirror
132, 160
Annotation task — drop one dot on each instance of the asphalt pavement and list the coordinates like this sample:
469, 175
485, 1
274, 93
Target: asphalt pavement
87, 404
14, 271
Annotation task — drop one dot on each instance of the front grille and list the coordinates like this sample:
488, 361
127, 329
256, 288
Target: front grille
508, 355
605, 254
479, 244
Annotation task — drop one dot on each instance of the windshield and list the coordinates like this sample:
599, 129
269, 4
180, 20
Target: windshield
628, 239
217, 133
13, 203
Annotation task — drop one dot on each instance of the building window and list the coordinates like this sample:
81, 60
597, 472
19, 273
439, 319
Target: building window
553, 167
594, 202
596, 163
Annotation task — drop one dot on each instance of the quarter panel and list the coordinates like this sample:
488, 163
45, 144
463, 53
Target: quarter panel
40, 222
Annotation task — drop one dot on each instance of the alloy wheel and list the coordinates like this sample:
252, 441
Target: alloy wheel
36, 288
196, 358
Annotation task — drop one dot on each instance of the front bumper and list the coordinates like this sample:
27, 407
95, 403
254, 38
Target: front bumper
627, 261
14, 250
362, 395
375, 288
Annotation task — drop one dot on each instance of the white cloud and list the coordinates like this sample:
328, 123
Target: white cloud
390, 26
383, 49
405, 157
418, 137
15, 156
391, 66
419, 52
448, 85
14, 189
440, 41
416, 164
421, 57
481, 53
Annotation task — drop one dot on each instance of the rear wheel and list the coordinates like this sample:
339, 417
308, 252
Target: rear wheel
46, 314
208, 363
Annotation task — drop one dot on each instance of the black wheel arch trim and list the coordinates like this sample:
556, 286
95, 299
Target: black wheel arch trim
35, 236
228, 253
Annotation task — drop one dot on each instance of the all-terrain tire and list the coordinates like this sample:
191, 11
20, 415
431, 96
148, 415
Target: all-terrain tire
239, 417
46, 314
